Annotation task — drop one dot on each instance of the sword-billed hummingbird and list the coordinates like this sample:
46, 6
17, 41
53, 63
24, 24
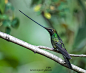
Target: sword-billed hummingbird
56, 41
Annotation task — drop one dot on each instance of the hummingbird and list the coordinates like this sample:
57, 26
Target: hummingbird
56, 42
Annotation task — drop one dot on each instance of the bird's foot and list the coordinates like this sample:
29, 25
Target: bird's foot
64, 62
52, 48
34, 52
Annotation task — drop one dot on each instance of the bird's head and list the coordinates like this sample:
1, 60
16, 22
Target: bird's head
51, 31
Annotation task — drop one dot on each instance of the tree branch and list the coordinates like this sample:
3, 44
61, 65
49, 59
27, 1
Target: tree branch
39, 51
72, 55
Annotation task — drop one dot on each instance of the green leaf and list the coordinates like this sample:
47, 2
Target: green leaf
39, 13
9, 6
7, 23
2, 6
34, 2
15, 23
4, 17
7, 30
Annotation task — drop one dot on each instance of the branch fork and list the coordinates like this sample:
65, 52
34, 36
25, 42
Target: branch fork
42, 52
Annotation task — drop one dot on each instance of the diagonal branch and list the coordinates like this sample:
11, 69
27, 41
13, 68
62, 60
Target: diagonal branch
39, 51
72, 55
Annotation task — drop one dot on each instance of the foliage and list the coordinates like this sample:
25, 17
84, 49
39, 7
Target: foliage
7, 18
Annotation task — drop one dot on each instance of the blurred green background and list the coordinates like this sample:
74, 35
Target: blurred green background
66, 16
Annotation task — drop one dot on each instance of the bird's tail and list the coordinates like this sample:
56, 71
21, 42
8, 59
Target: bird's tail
67, 62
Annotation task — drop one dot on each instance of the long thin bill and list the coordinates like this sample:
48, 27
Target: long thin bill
32, 19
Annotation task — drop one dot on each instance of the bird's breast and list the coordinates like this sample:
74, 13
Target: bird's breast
54, 41
54, 44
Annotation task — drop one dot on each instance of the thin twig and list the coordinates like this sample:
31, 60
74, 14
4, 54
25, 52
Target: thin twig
77, 55
39, 51
51, 49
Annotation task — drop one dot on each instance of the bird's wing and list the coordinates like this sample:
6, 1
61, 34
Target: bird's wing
60, 40
59, 37
63, 51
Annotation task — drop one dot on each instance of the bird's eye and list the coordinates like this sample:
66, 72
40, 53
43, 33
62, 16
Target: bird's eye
52, 30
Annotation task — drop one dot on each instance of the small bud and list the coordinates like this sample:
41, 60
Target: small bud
52, 7
6, 1
47, 15
37, 8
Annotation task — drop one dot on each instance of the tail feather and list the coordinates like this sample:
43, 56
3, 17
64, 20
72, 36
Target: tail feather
67, 62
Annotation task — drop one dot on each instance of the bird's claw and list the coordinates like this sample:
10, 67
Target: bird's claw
64, 62
52, 48
34, 52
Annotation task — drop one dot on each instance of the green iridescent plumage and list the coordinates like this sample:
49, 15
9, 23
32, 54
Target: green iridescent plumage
56, 41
